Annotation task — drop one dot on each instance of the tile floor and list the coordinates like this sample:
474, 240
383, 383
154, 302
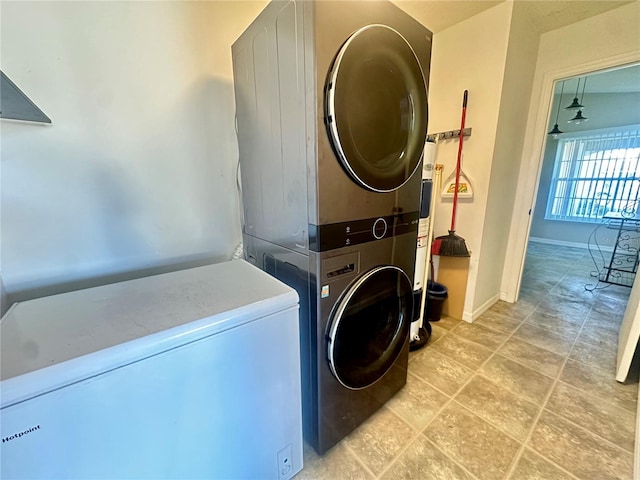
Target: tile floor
526, 391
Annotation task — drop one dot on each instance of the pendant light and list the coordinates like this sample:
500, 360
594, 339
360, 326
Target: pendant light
555, 131
575, 104
578, 117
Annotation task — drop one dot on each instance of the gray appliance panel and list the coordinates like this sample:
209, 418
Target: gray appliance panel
290, 175
268, 69
331, 411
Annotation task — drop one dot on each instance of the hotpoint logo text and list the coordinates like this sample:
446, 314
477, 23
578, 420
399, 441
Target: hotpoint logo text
20, 434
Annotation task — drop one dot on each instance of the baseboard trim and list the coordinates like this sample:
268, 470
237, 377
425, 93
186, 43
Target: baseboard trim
475, 314
504, 296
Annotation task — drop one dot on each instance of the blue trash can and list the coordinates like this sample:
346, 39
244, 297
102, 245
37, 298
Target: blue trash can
436, 295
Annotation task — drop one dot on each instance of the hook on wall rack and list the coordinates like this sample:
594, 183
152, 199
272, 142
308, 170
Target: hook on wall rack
448, 135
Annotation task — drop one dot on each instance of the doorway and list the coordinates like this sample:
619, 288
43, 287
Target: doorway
534, 179
588, 186
588, 192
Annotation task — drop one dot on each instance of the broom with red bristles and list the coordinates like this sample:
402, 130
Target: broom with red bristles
453, 245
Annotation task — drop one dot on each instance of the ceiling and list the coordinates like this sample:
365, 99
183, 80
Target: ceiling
546, 15
438, 15
618, 80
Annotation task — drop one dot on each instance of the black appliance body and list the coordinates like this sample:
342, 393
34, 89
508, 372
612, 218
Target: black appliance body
331, 106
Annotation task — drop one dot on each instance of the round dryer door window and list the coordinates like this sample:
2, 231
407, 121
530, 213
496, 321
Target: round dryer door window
376, 108
370, 326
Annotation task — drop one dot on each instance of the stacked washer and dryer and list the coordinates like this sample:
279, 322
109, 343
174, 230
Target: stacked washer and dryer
331, 102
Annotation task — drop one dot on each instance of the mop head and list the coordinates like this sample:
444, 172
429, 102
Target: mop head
450, 245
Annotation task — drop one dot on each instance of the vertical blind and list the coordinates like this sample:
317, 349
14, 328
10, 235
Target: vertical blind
595, 174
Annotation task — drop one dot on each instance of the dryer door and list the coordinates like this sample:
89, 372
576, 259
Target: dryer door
376, 108
369, 327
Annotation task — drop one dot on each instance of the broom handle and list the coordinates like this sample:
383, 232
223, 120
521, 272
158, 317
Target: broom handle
455, 193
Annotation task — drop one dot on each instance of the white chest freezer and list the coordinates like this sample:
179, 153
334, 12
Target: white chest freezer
190, 374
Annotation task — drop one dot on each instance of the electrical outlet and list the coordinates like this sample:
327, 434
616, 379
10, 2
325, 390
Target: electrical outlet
285, 465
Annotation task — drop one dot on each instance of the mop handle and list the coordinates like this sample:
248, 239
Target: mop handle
455, 193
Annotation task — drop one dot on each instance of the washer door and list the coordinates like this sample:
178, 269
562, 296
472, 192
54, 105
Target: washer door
369, 327
376, 108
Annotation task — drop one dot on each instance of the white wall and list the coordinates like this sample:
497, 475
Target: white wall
469, 55
492, 55
137, 173
603, 111
509, 138
605, 40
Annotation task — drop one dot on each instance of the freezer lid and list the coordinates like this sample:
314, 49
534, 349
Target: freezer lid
50, 342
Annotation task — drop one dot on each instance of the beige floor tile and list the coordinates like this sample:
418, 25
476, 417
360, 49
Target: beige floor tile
421, 461
540, 283
597, 338
417, 403
517, 378
530, 298
377, 441
615, 292
607, 333
568, 327
574, 289
563, 306
480, 334
581, 277
532, 466
610, 307
336, 463
594, 414
516, 311
437, 332
504, 409
607, 320
446, 322
578, 451
594, 356
439, 371
539, 359
498, 321
463, 351
544, 338
479, 447
554, 264
600, 383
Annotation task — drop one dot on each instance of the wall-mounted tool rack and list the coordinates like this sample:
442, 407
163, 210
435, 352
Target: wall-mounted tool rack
448, 135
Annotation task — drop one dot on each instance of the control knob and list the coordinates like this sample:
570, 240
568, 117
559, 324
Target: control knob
379, 228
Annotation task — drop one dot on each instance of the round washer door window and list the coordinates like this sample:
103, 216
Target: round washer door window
376, 108
369, 327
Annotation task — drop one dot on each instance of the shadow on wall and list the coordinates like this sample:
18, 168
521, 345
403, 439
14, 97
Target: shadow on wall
122, 197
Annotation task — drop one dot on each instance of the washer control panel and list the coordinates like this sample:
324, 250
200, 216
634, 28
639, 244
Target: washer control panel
337, 235
379, 228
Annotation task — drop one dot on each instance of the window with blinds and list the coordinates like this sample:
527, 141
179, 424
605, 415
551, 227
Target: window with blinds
595, 174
